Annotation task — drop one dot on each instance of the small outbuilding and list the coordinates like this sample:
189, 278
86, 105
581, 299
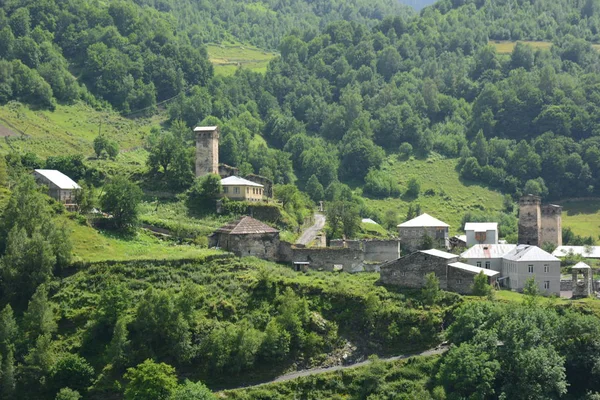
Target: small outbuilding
247, 237
60, 186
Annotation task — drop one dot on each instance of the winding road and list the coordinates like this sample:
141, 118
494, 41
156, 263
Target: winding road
315, 371
311, 233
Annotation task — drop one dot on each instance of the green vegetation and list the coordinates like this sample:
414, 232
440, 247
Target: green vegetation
227, 58
582, 216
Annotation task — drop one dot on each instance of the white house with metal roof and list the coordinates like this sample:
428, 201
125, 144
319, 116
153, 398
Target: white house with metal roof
481, 233
60, 186
236, 188
488, 256
412, 233
527, 261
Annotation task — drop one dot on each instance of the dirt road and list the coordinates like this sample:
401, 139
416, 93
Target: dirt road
311, 233
316, 371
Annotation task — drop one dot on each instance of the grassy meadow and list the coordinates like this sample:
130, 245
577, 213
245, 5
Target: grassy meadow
582, 216
227, 58
507, 46
443, 194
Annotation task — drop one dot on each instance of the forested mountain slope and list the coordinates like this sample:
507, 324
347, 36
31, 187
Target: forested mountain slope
264, 23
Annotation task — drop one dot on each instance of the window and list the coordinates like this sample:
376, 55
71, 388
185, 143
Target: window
236, 190
459, 281
488, 265
530, 269
546, 285
546, 268
225, 189
478, 264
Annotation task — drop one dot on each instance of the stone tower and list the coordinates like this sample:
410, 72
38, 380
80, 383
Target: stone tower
530, 218
207, 150
551, 224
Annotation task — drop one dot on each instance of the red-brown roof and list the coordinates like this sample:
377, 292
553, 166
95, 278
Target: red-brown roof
246, 226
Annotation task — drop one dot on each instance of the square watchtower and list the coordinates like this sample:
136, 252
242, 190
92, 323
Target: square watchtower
207, 150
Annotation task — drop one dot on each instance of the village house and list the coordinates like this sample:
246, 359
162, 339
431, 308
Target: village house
247, 237
410, 271
481, 233
412, 233
517, 263
60, 186
236, 188
488, 256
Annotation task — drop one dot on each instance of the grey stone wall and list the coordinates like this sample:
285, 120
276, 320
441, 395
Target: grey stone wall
265, 246
351, 260
551, 225
530, 220
207, 153
460, 281
412, 238
410, 270
566, 286
382, 250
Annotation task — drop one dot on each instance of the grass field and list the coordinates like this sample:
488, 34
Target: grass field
226, 58
507, 46
449, 197
69, 129
582, 216
92, 245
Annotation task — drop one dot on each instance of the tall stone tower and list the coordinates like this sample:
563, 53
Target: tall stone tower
530, 219
207, 150
551, 224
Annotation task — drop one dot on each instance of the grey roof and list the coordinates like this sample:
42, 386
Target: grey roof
594, 251
472, 269
369, 221
58, 178
246, 226
205, 128
581, 265
488, 251
439, 253
237, 181
424, 220
481, 226
525, 252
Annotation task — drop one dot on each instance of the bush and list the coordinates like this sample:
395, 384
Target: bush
413, 188
381, 184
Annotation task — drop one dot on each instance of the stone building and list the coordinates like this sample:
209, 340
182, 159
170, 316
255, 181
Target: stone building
481, 233
410, 271
247, 237
236, 188
539, 224
375, 250
60, 186
413, 232
207, 150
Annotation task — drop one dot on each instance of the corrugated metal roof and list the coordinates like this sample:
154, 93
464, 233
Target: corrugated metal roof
472, 269
58, 178
525, 252
581, 265
205, 128
488, 251
439, 253
246, 226
369, 221
481, 226
237, 181
424, 220
584, 251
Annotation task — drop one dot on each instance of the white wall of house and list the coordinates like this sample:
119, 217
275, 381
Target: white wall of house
491, 237
487, 263
546, 274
